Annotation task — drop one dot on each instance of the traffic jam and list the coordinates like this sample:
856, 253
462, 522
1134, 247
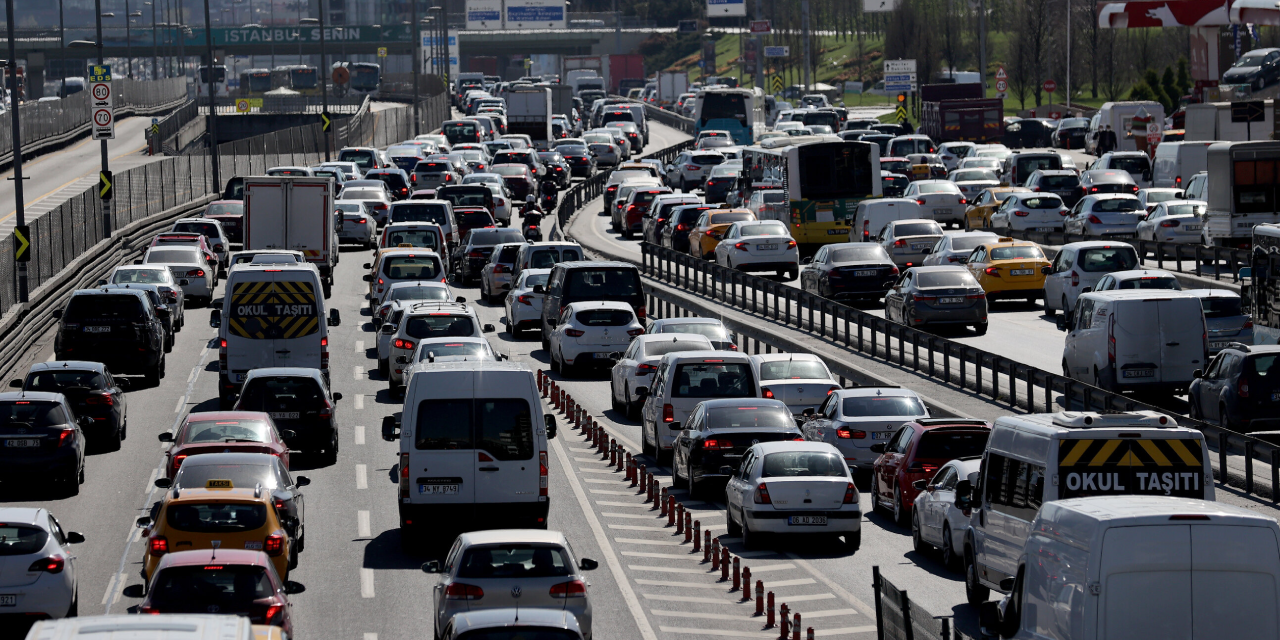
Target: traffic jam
708, 466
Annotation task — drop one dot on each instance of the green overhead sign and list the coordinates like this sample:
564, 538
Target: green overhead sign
223, 36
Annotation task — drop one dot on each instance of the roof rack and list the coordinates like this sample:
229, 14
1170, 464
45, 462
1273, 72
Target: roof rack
1097, 420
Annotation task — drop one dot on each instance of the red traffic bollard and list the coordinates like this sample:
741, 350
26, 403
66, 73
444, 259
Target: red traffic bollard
679, 513
554, 395
603, 446
542, 383
671, 509
613, 452
633, 473
665, 511
724, 564
809, 634
795, 628
769, 621
759, 594
706, 546
653, 491
697, 537
737, 573
713, 549
568, 403
644, 479
784, 620
563, 397
621, 452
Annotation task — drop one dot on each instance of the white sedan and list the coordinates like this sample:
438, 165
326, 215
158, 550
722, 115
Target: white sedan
974, 181
793, 488
1176, 221
592, 332
940, 198
639, 362
33, 540
935, 520
523, 304
358, 227
759, 245
186, 263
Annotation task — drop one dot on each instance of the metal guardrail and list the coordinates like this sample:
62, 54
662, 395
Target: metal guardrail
1201, 255
286, 104
898, 618
171, 124
671, 119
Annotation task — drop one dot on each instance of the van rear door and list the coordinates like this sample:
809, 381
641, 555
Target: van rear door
273, 318
508, 448
1183, 339
442, 456
300, 315
250, 330
1234, 570
308, 222
1145, 576
264, 219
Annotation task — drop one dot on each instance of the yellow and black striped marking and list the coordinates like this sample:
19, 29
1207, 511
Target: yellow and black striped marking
1123, 466
273, 310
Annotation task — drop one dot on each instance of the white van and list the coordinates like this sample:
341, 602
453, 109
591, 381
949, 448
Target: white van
473, 449
1135, 339
171, 626
1175, 163
684, 379
1032, 460
270, 317
872, 215
1145, 568
1120, 116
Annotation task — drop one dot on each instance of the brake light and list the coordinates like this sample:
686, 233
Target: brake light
646, 369
640, 312
991, 271
1170, 223
274, 544
834, 388
66, 437
100, 398
717, 444
272, 611
571, 589
404, 476
741, 246
525, 299
1243, 389
849, 434
635, 332
762, 495
413, 178
475, 253
195, 273
403, 344
692, 167
459, 591
682, 227
668, 413
1093, 190
791, 244
542, 473
963, 201
899, 243
327, 411
850, 494
766, 392
1177, 181
1075, 280
1134, 187
920, 201
574, 333
158, 545
1022, 214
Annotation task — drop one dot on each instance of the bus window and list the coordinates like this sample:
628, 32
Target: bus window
835, 170
723, 105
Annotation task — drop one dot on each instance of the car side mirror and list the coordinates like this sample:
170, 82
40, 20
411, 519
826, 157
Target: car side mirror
488, 328
337, 397
964, 497
431, 566
928, 250
167, 436
726, 470
134, 591
390, 429
550, 422
402, 359
144, 521
877, 448
641, 392
1046, 270
1062, 323
537, 288
1198, 373
368, 265
301, 481
334, 318
215, 318
460, 300
1086, 290
388, 329
163, 483
288, 434
674, 426
16, 384
74, 537
806, 260
291, 587
57, 313
183, 282
368, 277
919, 485
587, 564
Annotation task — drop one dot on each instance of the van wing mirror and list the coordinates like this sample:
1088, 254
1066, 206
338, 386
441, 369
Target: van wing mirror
334, 318
964, 497
550, 422
368, 277
57, 313
215, 318
390, 429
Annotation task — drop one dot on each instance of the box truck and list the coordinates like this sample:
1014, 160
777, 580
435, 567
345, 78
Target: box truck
294, 213
529, 112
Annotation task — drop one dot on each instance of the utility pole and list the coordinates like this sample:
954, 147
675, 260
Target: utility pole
416, 34
1068, 114
17, 145
324, 87
982, 43
804, 18
760, 49
155, 43
106, 164
62, 55
213, 103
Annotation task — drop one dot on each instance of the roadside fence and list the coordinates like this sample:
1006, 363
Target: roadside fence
1198, 255
898, 618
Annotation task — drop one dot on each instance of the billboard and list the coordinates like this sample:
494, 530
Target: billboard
725, 8
535, 14
484, 15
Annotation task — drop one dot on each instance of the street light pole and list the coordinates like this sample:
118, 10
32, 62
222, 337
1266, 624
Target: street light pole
62, 55
106, 164
213, 104
155, 43
17, 145
128, 39
416, 34
808, 57
324, 84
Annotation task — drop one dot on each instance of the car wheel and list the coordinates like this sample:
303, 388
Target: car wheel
384, 367
693, 485
630, 408
917, 542
1066, 371
646, 448
113, 444
1193, 408
71, 483
974, 591
555, 364
74, 610
1066, 311
899, 511
732, 528
853, 541
157, 372
613, 398
566, 369
980, 329
1224, 420
948, 549
293, 558
749, 540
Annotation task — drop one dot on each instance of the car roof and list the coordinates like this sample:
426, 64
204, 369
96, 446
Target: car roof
221, 556
766, 448
778, 357
101, 292
662, 322
68, 365
230, 457
1140, 294
719, 356
25, 515
1212, 293
600, 304
1140, 273
507, 536
714, 403
862, 392
227, 415
292, 372
1093, 244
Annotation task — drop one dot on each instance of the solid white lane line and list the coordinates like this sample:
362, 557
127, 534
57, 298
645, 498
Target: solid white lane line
635, 516
370, 636
695, 599
359, 372
661, 543
362, 524
606, 549
366, 583
359, 433
362, 477
605, 492
359, 402
151, 479
359, 346
116, 582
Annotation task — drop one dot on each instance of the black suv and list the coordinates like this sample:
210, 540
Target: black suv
90, 390
117, 327
1240, 388
585, 281
299, 402
396, 179
1062, 182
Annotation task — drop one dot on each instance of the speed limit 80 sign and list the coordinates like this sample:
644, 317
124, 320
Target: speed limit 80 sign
101, 114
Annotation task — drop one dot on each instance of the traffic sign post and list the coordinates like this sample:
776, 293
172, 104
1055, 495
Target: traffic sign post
776, 84
382, 52
242, 105
1049, 87
102, 116
761, 26
1002, 83
777, 52
22, 243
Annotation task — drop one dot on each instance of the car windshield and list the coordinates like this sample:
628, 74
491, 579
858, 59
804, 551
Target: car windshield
419, 293
225, 208
35, 414
604, 317
516, 561
1150, 282
749, 417
363, 159
1059, 182
196, 474
216, 517
871, 406
713, 331
1073, 123
533, 280
142, 276
792, 464
210, 587
948, 278
113, 309
1042, 202
414, 212
1185, 209
859, 251
228, 431
492, 237
508, 170
426, 238
446, 349
281, 393
603, 284
20, 540
1017, 252
794, 370
1108, 259
975, 174
1221, 306
1251, 59
917, 229
65, 379
967, 243
939, 187
1116, 205
764, 229
949, 445
173, 256
1133, 164
207, 229
501, 427
440, 326
713, 380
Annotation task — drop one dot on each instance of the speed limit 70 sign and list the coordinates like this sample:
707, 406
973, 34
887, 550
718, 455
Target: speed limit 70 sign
102, 116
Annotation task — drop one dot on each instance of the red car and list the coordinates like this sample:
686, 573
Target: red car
222, 432
472, 218
915, 452
229, 581
231, 214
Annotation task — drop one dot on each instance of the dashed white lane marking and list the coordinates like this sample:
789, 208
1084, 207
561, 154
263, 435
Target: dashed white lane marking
366, 583
116, 581
362, 524
50, 359
359, 433
359, 402
178, 407
362, 477
661, 543
358, 372
370, 636
151, 479
359, 346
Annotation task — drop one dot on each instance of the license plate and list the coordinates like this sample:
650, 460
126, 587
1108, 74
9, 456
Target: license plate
1139, 373
1193, 227
1275, 396
438, 489
881, 435
1021, 272
807, 520
920, 247
836, 232
1218, 345
8, 600
601, 356
253, 545
25, 443
950, 300
864, 274
1042, 228
766, 247
284, 415
941, 212
97, 329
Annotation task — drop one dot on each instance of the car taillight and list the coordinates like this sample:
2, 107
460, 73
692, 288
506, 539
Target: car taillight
1075, 281
274, 544
1170, 223
272, 611
850, 494
682, 227
413, 178
692, 167
963, 201
920, 201
404, 476
1064, 211
849, 434
717, 443
1022, 214
899, 243
635, 332
542, 473
52, 564
1093, 190
571, 589
894, 272
459, 591
158, 545
741, 246
177, 462
66, 437
1243, 389
832, 389
1094, 219
403, 344
575, 333
766, 392
525, 299
641, 313
668, 413
381, 206
1134, 187
1177, 181
475, 253
327, 411
762, 495
195, 273
100, 398
991, 271
1248, 324
646, 369
791, 244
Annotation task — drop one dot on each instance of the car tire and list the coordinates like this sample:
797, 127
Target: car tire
115, 440
72, 483
749, 540
384, 367
900, 513
566, 369
646, 448
631, 408
692, 487
326, 287
156, 373
555, 364
917, 542
1224, 419
948, 548
613, 398
853, 541
980, 329
974, 591
732, 529
293, 557
331, 454
626, 234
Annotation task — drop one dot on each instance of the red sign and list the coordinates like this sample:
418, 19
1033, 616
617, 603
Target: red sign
1000, 74
761, 26
1049, 86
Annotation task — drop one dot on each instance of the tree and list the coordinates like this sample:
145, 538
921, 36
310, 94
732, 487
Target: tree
1152, 81
1184, 77
1170, 86
1029, 44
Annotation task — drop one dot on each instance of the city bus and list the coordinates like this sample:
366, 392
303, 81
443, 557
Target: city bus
824, 178
296, 77
219, 80
365, 78
254, 83
1262, 295
738, 111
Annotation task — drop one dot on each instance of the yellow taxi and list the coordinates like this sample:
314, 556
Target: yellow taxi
1008, 268
219, 516
978, 215
710, 228
268, 632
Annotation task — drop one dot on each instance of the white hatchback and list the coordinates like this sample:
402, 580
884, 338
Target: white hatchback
592, 332
34, 540
636, 366
523, 304
759, 245
940, 198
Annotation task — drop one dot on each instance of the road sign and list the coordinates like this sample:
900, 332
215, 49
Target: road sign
901, 112
105, 190
101, 115
1002, 86
382, 52
899, 66
99, 73
899, 77
341, 75
1001, 74
777, 52
22, 244
776, 84
324, 118
155, 125
1049, 86
242, 105
899, 86
761, 26
1248, 111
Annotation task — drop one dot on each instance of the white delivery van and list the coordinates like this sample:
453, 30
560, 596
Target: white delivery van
1035, 459
1136, 339
872, 215
270, 317
1175, 163
473, 449
684, 379
170, 626
1120, 116
1145, 568
294, 213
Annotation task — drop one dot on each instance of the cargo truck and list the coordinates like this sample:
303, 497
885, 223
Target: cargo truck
529, 112
561, 99
293, 213
1242, 191
670, 85
974, 120
1212, 121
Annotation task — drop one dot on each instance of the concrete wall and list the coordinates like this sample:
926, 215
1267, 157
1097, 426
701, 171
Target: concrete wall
241, 126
